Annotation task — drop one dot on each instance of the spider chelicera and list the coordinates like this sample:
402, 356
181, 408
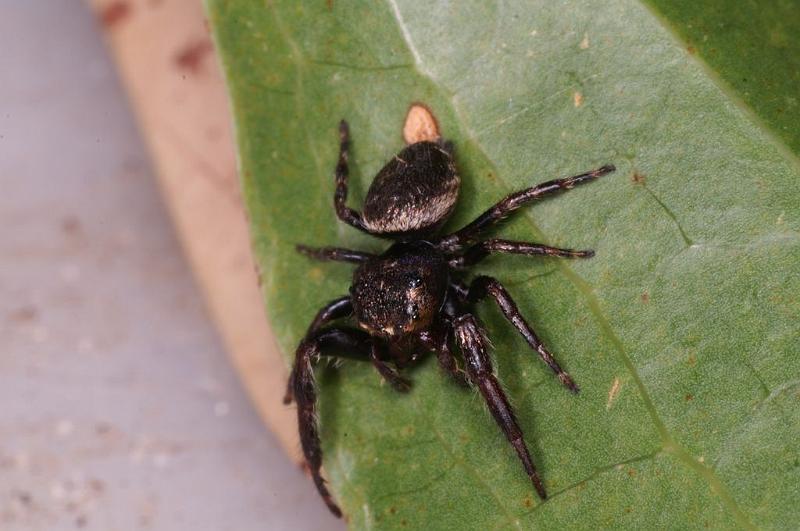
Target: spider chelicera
411, 299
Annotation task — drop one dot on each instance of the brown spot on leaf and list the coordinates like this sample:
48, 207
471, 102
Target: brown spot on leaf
420, 125
691, 49
689, 397
316, 274
527, 502
191, 57
632, 472
637, 177
577, 99
691, 361
645, 297
115, 13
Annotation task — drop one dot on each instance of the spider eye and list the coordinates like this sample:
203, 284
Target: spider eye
413, 311
414, 281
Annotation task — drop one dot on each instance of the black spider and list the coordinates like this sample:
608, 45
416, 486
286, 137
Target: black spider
410, 298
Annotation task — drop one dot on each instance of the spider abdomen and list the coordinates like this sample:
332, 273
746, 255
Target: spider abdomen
414, 192
401, 291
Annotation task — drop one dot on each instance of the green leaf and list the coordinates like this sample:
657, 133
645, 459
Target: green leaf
683, 332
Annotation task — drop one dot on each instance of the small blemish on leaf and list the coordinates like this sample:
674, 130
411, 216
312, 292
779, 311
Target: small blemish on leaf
420, 125
115, 13
645, 297
585, 42
689, 397
691, 49
637, 177
691, 361
577, 99
527, 502
191, 57
613, 392
315, 273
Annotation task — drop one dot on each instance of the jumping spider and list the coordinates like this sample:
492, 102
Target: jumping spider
411, 299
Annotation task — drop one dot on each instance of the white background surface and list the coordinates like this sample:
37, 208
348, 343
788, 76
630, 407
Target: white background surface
118, 409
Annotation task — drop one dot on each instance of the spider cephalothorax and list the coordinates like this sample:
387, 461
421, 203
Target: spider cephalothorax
411, 298
401, 291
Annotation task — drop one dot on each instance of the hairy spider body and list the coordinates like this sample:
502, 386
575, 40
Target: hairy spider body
401, 291
414, 193
411, 299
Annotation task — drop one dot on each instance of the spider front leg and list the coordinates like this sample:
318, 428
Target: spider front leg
339, 342
479, 371
483, 286
514, 201
478, 252
336, 309
304, 390
350, 343
346, 214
